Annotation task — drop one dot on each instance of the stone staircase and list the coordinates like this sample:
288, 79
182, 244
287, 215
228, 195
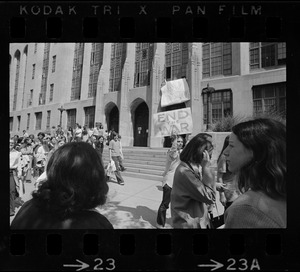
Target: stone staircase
145, 162
141, 162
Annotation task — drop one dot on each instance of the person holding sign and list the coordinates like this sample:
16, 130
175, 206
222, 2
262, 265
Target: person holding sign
194, 185
172, 162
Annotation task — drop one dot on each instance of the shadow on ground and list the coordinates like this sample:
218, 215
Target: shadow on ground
127, 217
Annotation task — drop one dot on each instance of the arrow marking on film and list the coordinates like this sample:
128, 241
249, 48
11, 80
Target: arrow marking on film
81, 266
215, 265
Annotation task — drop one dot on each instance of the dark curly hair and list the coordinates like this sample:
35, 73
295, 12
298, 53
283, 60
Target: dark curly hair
267, 170
193, 151
75, 181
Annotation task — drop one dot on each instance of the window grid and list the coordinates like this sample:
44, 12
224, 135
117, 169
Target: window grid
176, 59
42, 97
118, 55
143, 63
264, 55
28, 121
38, 118
19, 122
96, 62
220, 105
25, 73
16, 83
269, 99
71, 118
11, 122
51, 92
33, 71
216, 59
30, 97
77, 71
89, 119
53, 63
48, 119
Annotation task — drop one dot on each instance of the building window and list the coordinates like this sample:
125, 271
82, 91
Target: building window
48, 119
266, 54
77, 71
51, 92
42, 97
220, 105
118, 55
17, 59
143, 64
176, 60
269, 99
30, 98
71, 118
35, 48
216, 59
25, 73
28, 121
19, 122
89, 119
38, 120
11, 122
53, 63
33, 71
96, 62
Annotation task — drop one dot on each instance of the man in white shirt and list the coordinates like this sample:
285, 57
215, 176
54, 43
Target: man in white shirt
115, 155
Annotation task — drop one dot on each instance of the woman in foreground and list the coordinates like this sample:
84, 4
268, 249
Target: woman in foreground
75, 186
257, 155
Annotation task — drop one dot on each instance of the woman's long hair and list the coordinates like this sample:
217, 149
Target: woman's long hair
267, 170
75, 180
226, 143
193, 151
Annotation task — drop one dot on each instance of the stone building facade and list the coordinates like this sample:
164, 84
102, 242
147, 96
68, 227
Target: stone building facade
119, 84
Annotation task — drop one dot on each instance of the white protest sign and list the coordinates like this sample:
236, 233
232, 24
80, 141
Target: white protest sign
175, 92
173, 122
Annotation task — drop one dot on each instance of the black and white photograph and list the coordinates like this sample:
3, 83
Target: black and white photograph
175, 135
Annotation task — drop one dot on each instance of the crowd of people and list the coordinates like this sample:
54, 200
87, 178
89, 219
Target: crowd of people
30, 154
250, 181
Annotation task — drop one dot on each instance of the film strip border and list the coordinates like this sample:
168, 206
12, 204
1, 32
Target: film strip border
159, 21
151, 251
132, 21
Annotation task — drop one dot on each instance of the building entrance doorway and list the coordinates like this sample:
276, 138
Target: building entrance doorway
141, 119
113, 120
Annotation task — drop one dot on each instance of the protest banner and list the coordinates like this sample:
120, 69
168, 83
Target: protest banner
175, 92
173, 122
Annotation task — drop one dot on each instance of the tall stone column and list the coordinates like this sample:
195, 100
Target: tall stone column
86, 70
244, 58
125, 123
12, 78
103, 85
156, 81
195, 87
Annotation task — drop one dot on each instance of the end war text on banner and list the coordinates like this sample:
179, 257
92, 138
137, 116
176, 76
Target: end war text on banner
173, 122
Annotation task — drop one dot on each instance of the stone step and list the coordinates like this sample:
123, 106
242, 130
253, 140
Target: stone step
144, 166
142, 176
141, 155
143, 171
140, 162
141, 159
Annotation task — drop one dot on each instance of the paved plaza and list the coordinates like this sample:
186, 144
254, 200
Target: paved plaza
132, 206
